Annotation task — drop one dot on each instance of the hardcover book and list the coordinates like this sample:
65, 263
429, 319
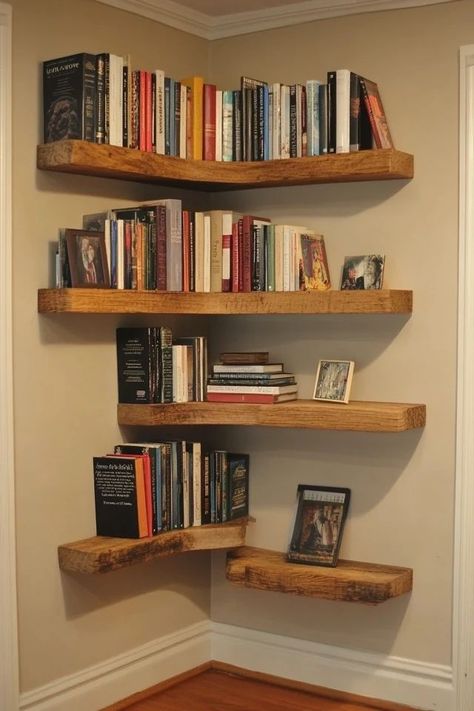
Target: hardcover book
135, 365
378, 120
120, 503
69, 91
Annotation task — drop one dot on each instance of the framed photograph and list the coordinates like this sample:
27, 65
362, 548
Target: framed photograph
87, 259
363, 272
321, 513
333, 380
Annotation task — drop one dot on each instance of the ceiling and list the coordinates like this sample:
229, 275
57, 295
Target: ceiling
214, 19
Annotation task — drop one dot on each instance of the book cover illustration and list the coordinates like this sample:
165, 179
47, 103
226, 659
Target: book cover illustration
378, 119
69, 91
363, 272
319, 522
313, 264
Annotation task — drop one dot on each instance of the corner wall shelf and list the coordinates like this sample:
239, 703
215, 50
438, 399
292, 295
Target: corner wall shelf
307, 414
349, 581
112, 301
101, 554
106, 161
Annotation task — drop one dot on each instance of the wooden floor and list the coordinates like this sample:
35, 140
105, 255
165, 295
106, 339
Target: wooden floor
218, 690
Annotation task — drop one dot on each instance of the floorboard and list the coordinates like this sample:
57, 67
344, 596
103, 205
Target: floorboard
217, 690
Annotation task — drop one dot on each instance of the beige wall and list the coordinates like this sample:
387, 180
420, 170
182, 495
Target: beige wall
402, 485
65, 391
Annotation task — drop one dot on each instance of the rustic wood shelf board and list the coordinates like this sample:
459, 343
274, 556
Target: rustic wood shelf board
101, 554
349, 581
109, 301
307, 414
85, 158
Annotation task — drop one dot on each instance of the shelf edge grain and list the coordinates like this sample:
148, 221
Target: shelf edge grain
349, 581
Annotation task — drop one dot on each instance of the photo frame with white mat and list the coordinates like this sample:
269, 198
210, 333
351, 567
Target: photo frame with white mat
333, 380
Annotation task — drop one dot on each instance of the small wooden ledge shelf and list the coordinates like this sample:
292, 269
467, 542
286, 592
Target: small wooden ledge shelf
306, 414
84, 158
102, 555
349, 581
113, 301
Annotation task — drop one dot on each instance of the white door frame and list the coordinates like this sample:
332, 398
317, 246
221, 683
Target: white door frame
463, 599
9, 686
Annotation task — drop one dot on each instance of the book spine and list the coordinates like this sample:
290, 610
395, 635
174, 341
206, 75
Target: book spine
125, 105
226, 251
167, 92
188, 154
331, 111
247, 258
160, 111
186, 251
275, 119
227, 125
235, 257
166, 364
183, 121
236, 125
176, 119
285, 122
256, 398
312, 120
343, 112
148, 113
293, 122
218, 124
100, 98
209, 121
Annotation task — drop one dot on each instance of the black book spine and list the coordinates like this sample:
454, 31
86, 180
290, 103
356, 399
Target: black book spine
125, 108
177, 118
323, 118
192, 253
260, 123
100, 98
205, 491
106, 98
134, 365
167, 116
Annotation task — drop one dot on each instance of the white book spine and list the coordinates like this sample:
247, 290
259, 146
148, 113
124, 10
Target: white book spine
285, 121
278, 258
312, 116
343, 93
115, 100
253, 389
299, 121
199, 251
160, 111
218, 124
207, 254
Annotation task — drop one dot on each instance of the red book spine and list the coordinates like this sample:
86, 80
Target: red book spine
226, 261
142, 111
257, 398
235, 257
186, 252
209, 122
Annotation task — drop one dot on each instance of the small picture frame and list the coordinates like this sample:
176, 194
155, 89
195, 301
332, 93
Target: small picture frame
363, 272
87, 259
321, 513
333, 380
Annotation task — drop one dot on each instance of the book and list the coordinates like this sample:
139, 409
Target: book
150, 478
222, 380
135, 365
359, 124
244, 357
266, 389
312, 263
196, 85
312, 116
343, 110
375, 110
331, 111
69, 98
209, 122
256, 398
251, 377
244, 368
174, 241
119, 493
238, 485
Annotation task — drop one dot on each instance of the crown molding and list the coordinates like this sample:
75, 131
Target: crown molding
210, 27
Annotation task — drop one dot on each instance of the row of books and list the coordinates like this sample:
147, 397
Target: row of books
99, 98
147, 488
264, 383
161, 246
154, 367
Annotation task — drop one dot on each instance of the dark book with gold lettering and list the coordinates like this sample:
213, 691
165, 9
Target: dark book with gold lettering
69, 91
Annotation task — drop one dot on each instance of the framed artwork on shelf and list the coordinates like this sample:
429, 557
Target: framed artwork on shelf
333, 380
87, 258
321, 513
363, 272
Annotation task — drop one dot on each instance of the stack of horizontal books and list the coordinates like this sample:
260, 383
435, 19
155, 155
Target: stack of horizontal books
251, 378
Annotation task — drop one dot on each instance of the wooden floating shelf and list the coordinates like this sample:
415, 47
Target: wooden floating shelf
112, 301
85, 158
307, 414
101, 554
349, 581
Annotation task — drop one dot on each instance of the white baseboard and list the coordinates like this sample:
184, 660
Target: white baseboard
101, 685
426, 686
